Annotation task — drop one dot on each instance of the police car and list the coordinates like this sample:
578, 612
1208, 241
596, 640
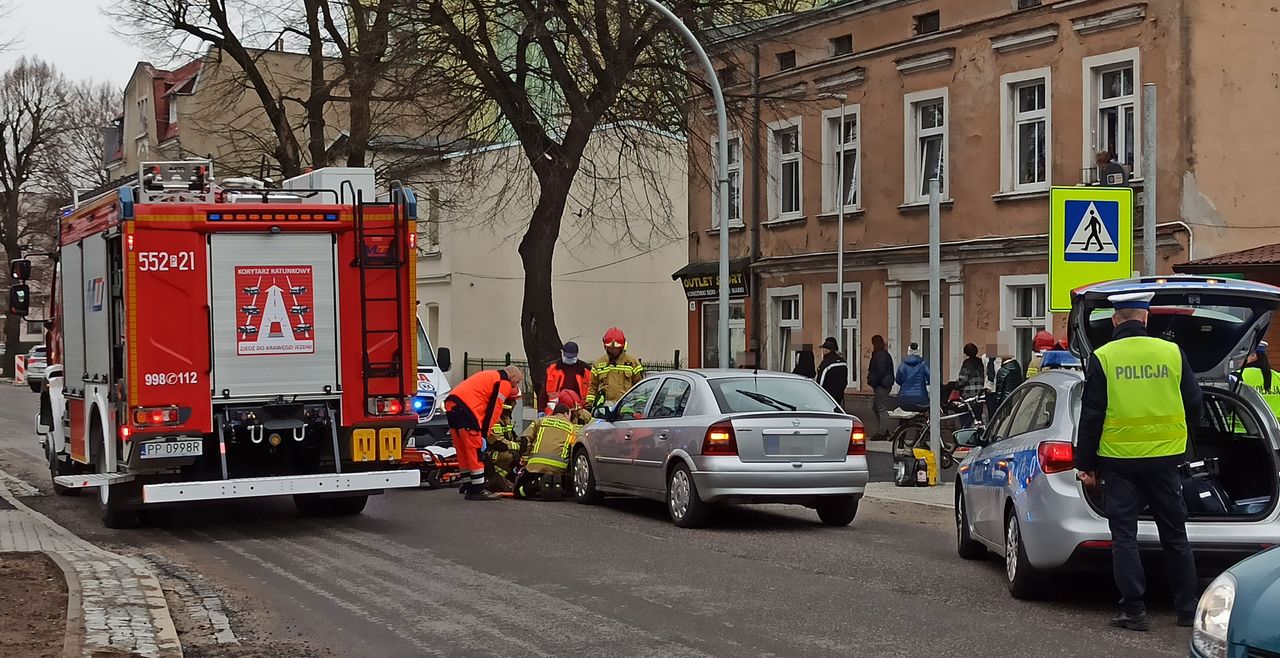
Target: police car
1017, 495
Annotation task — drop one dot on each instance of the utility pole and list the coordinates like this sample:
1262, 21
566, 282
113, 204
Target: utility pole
1149, 179
722, 161
935, 332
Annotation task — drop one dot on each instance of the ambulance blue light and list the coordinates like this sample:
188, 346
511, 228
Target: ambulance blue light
420, 404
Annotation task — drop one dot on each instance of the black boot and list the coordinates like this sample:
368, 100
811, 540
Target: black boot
1131, 622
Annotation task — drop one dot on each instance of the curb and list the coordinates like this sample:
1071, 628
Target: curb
73, 641
166, 635
905, 500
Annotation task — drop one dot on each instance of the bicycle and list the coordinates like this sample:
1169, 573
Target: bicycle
913, 431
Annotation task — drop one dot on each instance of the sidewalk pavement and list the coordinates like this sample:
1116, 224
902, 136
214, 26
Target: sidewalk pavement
939, 496
115, 605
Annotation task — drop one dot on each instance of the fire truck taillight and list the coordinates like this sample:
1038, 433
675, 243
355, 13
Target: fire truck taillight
387, 406
155, 416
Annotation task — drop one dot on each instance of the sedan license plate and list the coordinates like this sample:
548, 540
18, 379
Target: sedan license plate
158, 449
791, 445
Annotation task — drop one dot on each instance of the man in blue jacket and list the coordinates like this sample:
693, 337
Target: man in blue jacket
913, 381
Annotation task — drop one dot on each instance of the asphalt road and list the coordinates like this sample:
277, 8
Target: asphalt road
424, 573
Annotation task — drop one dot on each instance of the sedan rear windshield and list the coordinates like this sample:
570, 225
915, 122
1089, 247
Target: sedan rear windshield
746, 394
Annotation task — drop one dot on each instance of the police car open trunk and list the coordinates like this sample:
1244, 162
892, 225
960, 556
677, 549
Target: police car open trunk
1231, 466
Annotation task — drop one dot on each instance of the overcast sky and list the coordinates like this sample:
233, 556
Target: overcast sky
74, 35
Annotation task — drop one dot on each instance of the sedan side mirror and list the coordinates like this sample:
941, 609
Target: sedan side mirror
970, 438
444, 359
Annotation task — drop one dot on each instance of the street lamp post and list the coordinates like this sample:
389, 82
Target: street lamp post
722, 159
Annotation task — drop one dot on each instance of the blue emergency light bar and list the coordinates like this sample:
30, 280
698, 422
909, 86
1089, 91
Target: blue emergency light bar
260, 216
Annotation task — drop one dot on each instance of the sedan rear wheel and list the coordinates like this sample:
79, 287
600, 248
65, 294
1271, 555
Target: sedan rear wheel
683, 502
837, 511
1024, 580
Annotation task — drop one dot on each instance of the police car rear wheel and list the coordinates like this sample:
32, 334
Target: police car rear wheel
1024, 580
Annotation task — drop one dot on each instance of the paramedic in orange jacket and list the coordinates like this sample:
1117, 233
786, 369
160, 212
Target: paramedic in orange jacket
472, 409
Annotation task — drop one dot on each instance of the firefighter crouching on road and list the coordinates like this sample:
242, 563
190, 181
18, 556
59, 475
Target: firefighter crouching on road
549, 439
472, 409
503, 453
1139, 395
566, 373
615, 373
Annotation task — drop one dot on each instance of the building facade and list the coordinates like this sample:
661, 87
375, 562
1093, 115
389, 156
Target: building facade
621, 235
861, 103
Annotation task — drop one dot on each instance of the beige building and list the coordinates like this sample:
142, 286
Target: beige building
206, 108
622, 236
1001, 99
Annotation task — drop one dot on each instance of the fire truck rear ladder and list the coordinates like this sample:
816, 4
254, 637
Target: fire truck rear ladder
369, 256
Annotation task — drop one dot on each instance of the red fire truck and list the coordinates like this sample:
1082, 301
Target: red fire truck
214, 342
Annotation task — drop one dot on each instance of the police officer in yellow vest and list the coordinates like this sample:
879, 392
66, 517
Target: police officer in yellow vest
1139, 392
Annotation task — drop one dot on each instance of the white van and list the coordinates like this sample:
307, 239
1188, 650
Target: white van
433, 388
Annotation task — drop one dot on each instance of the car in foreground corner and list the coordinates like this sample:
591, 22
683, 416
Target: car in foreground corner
697, 438
1239, 613
1017, 494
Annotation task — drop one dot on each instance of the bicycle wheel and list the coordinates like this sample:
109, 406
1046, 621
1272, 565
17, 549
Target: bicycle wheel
908, 437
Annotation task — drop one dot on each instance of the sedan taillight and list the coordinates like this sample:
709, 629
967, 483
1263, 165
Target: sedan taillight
858, 438
720, 440
1056, 456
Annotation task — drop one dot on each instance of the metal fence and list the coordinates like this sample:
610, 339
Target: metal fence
474, 364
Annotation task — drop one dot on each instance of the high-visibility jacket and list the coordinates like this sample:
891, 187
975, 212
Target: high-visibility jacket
1253, 377
1145, 415
482, 396
561, 376
610, 378
550, 438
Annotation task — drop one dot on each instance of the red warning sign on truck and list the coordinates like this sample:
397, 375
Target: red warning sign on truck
274, 310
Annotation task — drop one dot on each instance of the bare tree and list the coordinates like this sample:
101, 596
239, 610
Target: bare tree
33, 118
76, 158
557, 70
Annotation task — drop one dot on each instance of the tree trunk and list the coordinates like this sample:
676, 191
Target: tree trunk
538, 318
12, 323
361, 126
316, 141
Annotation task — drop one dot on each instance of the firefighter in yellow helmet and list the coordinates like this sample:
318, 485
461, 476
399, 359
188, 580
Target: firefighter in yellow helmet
615, 373
550, 440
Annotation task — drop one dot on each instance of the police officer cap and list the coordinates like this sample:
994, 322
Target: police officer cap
1138, 300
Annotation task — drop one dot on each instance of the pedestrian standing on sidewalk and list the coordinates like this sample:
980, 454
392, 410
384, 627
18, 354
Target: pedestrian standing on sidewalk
972, 379
1139, 396
880, 376
804, 363
913, 381
472, 409
833, 372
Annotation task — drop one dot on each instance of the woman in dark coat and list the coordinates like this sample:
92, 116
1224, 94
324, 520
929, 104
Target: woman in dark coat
804, 364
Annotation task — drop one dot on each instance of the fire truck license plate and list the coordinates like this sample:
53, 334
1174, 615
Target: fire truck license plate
157, 449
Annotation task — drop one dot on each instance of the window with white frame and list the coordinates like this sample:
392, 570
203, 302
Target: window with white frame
786, 334
926, 156
735, 183
841, 140
1024, 311
1030, 139
1111, 110
842, 324
785, 171
921, 323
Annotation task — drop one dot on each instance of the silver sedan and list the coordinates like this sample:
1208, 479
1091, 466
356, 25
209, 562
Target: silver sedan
695, 438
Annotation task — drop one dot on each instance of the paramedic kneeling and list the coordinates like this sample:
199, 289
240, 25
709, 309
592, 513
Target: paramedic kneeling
1138, 396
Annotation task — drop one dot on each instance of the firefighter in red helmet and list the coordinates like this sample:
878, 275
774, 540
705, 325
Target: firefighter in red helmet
615, 373
1043, 342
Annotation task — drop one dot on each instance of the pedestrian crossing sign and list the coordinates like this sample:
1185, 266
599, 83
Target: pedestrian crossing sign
1090, 239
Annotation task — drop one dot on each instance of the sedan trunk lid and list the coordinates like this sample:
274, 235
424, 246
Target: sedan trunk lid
792, 436
1218, 323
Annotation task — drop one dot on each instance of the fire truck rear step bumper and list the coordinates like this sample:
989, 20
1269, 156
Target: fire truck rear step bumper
336, 483
82, 481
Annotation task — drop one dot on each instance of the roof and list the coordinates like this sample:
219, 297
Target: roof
709, 268
1264, 255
